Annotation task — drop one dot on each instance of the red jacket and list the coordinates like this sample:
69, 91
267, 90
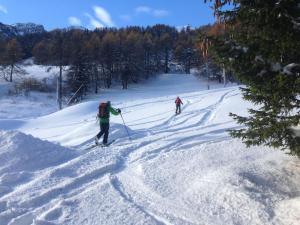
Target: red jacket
178, 101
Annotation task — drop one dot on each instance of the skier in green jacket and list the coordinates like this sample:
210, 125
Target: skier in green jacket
104, 113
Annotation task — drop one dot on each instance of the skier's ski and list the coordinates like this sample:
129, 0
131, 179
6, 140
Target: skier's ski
99, 145
108, 144
91, 146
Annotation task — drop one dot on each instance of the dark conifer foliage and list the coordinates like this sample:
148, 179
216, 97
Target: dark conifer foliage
261, 45
80, 72
185, 52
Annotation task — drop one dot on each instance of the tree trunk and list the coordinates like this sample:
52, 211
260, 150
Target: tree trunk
124, 84
146, 65
59, 88
158, 65
108, 83
11, 72
189, 66
109, 78
224, 77
96, 79
166, 61
207, 74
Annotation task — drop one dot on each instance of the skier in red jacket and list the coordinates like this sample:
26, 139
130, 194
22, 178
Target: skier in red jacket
178, 103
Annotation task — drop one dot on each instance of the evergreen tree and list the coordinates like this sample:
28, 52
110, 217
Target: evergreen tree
78, 77
185, 51
261, 46
81, 66
164, 39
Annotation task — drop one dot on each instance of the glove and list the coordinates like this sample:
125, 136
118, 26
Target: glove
119, 110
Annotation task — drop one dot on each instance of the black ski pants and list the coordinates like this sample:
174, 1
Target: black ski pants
104, 129
178, 108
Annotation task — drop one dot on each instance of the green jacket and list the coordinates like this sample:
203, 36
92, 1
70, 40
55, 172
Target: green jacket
112, 111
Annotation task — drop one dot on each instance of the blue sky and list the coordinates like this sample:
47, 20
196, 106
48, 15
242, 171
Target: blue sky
106, 13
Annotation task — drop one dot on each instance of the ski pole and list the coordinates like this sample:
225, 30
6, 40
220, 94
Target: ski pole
125, 127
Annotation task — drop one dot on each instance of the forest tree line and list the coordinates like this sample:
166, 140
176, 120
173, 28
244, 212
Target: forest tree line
98, 58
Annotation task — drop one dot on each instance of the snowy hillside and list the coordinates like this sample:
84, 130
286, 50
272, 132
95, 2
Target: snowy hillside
181, 169
19, 104
20, 29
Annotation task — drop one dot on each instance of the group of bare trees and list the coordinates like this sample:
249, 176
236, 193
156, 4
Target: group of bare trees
10, 54
102, 57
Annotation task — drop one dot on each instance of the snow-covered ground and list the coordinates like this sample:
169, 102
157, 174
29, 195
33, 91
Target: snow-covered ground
31, 104
182, 169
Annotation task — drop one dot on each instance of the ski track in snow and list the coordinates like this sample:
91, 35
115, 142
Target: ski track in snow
115, 185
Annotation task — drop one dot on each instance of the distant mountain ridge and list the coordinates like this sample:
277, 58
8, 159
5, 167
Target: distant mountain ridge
8, 31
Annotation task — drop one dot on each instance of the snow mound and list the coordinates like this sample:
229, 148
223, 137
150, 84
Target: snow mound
22, 152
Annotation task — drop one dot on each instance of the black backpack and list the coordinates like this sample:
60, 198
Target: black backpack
103, 110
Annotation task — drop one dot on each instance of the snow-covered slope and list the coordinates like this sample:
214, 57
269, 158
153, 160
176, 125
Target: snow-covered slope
20, 29
178, 169
18, 104
23, 152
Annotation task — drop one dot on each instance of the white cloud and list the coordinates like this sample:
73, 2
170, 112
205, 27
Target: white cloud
93, 22
103, 16
160, 13
153, 12
143, 9
74, 21
3, 9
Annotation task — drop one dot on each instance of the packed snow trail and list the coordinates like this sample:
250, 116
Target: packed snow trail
178, 169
